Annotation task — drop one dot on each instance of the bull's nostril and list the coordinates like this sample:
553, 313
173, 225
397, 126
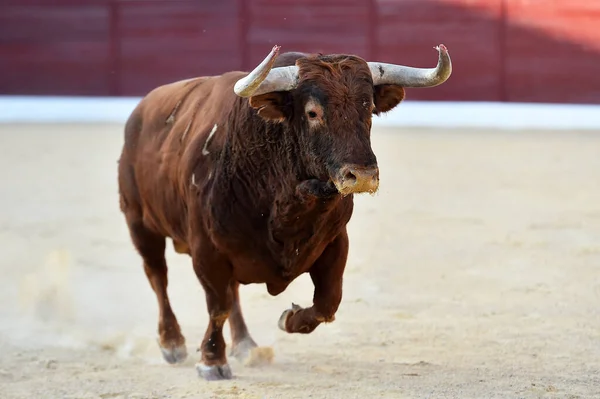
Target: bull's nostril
357, 179
350, 177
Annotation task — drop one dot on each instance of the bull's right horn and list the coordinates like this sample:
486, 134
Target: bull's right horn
263, 79
406, 76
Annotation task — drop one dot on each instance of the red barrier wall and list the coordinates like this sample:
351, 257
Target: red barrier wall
502, 50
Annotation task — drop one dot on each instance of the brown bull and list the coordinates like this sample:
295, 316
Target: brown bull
252, 175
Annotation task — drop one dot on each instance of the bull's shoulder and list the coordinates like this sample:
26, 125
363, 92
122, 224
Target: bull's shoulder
164, 100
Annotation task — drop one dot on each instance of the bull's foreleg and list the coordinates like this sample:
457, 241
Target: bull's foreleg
215, 275
326, 274
242, 342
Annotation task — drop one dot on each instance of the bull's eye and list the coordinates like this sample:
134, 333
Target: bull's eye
314, 112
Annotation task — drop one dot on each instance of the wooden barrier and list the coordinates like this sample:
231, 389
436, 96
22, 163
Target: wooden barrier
502, 50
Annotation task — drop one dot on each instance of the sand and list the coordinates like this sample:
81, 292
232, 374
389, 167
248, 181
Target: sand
474, 273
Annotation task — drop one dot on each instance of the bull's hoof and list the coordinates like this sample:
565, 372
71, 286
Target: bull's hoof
214, 373
174, 354
286, 315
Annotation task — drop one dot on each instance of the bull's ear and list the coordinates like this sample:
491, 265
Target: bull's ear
270, 106
386, 97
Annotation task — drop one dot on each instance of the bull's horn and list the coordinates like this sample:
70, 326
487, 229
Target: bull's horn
263, 79
413, 77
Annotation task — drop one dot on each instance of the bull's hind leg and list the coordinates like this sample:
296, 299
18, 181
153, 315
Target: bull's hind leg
151, 247
326, 274
242, 342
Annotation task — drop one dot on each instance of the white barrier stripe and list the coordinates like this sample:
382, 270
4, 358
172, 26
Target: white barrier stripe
51, 109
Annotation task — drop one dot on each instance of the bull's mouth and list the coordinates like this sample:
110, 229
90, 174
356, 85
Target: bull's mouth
351, 186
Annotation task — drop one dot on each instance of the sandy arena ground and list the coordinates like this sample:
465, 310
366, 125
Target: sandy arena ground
474, 273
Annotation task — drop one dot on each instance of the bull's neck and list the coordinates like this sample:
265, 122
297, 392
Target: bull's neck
267, 150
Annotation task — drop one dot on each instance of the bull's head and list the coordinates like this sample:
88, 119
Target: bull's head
330, 100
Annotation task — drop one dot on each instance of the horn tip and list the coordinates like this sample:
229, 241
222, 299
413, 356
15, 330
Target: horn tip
441, 48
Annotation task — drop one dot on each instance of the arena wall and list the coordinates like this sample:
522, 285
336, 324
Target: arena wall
533, 51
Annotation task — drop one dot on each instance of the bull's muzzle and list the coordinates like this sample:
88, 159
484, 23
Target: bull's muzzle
355, 179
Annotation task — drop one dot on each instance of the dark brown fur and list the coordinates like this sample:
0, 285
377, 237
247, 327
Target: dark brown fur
259, 206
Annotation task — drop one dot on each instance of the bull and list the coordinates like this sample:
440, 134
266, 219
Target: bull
253, 175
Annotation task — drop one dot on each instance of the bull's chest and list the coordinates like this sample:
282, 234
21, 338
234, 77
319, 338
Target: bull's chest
298, 235
286, 241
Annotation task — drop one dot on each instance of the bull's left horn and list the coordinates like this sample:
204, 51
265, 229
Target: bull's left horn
406, 76
263, 79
